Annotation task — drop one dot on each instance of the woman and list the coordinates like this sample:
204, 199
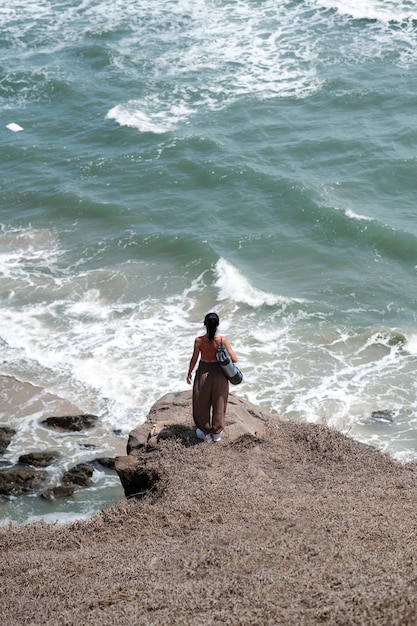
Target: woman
211, 387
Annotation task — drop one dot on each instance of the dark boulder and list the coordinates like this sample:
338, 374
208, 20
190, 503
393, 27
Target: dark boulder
17, 481
6, 435
105, 461
59, 492
71, 422
79, 475
38, 459
385, 415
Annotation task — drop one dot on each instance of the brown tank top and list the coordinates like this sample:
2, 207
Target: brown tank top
208, 349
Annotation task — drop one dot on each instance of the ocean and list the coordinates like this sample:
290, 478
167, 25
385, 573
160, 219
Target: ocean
162, 160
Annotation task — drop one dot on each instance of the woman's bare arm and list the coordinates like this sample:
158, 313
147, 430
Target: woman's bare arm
230, 350
193, 359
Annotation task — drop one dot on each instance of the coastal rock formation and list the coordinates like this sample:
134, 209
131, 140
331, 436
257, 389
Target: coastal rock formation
25, 477
59, 492
71, 422
170, 418
105, 461
294, 524
16, 481
78, 476
6, 435
39, 459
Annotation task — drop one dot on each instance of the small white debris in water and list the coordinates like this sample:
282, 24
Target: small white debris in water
14, 127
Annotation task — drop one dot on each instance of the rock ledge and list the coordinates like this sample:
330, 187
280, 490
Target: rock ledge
170, 418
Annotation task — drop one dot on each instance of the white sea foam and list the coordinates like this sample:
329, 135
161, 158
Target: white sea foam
411, 344
80, 344
356, 216
187, 58
336, 377
210, 58
197, 56
149, 115
381, 10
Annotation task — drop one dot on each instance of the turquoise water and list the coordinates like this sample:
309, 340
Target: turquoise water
253, 158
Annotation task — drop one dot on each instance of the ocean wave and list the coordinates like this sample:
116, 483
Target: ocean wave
234, 286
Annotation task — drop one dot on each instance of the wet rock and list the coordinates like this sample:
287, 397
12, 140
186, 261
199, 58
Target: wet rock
38, 459
397, 338
385, 415
105, 461
16, 481
59, 492
79, 475
6, 435
71, 422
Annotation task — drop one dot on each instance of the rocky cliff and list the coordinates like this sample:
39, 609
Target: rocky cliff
280, 524
170, 418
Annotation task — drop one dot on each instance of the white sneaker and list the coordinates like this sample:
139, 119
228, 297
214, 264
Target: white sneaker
202, 436
216, 436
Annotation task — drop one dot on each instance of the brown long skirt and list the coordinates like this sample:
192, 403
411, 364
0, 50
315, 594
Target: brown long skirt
210, 394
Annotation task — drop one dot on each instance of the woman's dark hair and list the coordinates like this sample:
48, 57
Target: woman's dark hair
211, 322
